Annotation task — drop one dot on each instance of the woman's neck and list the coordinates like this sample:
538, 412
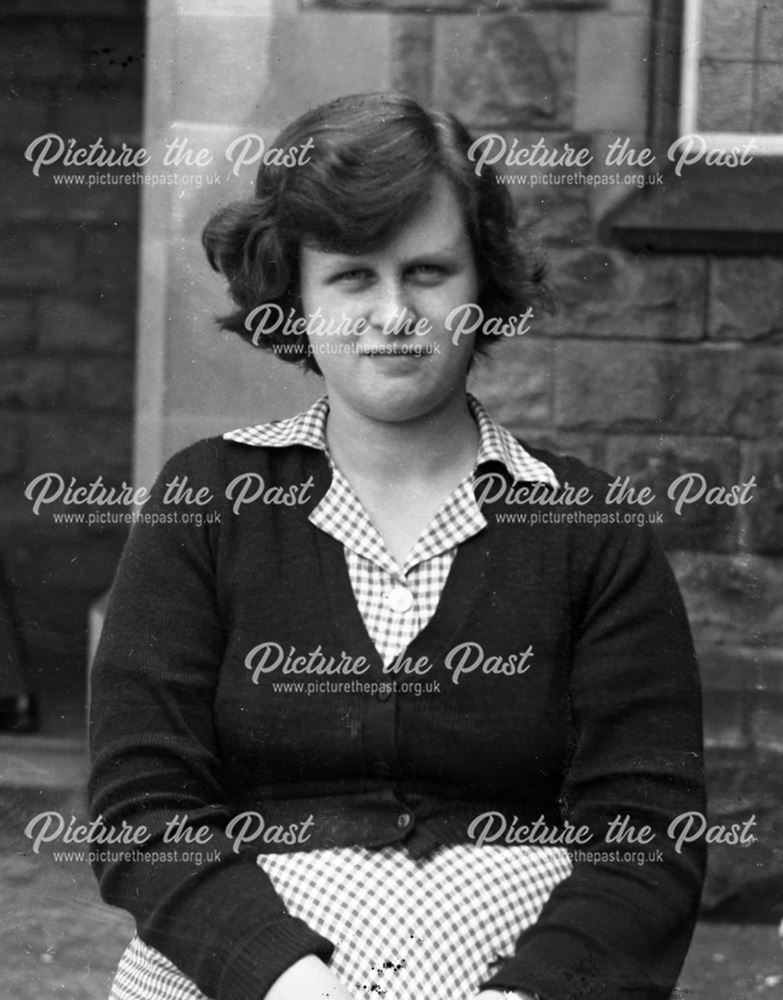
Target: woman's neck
432, 447
403, 473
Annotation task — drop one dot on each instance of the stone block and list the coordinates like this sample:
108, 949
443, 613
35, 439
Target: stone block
24, 197
611, 386
515, 382
38, 258
590, 449
90, 326
634, 8
766, 673
667, 388
17, 331
611, 72
659, 463
411, 42
732, 599
109, 259
100, 384
601, 293
25, 115
728, 30
731, 669
765, 723
94, 196
724, 719
112, 51
35, 49
11, 438
80, 446
770, 37
15, 515
506, 70
743, 696
105, 194
32, 382
87, 114
746, 298
757, 406
734, 678
767, 113
727, 390
726, 97
763, 518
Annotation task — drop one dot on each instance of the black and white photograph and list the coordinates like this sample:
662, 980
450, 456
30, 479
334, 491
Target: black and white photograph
391, 500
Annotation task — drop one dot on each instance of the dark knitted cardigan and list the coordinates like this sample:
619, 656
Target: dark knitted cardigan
600, 719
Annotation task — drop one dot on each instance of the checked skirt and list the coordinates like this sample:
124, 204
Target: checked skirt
403, 929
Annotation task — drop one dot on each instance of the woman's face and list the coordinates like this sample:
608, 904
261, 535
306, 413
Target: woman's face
379, 368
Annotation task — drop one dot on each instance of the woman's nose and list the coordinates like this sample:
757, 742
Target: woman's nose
391, 310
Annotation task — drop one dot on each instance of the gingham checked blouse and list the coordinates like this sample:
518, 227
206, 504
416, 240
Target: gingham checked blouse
396, 602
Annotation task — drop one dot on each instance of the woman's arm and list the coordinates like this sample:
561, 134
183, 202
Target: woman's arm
619, 929
308, 979
157, 759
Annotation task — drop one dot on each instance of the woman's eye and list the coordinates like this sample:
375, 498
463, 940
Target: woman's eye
355, 275
429, 272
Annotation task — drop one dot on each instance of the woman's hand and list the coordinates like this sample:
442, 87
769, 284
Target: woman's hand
308, 979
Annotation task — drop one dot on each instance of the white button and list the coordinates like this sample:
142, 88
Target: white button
403, 821
400, 599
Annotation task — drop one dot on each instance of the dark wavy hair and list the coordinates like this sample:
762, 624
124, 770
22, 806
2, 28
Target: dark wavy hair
370, 164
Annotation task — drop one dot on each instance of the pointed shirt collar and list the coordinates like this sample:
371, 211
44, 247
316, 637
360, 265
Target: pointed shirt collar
309, 430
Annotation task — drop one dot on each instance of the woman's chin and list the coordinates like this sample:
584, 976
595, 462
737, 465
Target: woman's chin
400, 401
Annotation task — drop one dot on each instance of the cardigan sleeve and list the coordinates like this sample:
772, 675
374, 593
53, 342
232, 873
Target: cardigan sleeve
155, 757
616, 928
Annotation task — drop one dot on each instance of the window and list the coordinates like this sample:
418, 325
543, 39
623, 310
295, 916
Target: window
716, 73
732, 73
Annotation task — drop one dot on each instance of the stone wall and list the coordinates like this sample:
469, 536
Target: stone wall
67, 321
653, 365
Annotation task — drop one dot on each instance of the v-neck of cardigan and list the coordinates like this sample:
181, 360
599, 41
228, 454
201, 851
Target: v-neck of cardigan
341, 513
464, 586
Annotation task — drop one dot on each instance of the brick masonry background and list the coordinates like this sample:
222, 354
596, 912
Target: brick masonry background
652, 366
67, 319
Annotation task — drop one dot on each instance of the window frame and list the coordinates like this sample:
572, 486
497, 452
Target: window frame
764, 144
709, 209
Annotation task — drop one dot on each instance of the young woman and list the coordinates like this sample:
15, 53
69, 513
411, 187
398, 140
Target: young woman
375, 731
